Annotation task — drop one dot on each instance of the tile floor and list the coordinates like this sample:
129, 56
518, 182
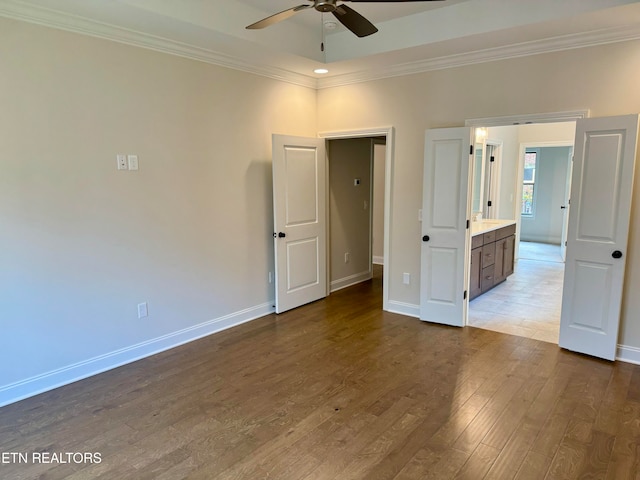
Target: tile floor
528, 303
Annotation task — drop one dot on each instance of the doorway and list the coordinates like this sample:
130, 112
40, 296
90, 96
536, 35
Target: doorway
356, 176
377, 135
528, 303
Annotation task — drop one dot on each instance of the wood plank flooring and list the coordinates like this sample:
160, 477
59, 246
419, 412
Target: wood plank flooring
339, 389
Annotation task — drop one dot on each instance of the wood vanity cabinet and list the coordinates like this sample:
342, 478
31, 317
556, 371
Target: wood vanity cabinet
492, 257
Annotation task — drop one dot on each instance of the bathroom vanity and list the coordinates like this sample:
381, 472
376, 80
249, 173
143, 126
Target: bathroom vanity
492, 254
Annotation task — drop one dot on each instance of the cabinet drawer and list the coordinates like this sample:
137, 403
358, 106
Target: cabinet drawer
487, 278
488, 255
489, 237
505, 232
477, 241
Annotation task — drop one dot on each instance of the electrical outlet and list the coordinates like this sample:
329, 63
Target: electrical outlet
406, 278
143, 311
122, 162
347, 257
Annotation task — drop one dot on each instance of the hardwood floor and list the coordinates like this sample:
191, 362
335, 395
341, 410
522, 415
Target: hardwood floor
340, 390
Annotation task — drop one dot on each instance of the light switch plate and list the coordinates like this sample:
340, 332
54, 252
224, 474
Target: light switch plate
133, 162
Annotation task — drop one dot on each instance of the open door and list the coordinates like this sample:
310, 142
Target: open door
445, 235
299, 208
601, 189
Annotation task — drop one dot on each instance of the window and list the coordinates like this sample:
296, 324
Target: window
529, 183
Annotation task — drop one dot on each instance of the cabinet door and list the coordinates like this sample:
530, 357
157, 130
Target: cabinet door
499, 265
476, 272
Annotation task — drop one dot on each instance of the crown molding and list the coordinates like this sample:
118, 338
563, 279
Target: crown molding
17, 10
548, 45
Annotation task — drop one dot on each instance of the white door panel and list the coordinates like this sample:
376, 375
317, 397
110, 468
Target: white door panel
299, 193
601, 188
444, 225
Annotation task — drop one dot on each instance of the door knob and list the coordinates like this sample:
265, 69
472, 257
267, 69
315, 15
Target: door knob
617, 254
281, 234
425, 238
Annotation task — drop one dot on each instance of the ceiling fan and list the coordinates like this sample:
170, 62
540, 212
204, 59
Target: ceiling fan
345, 15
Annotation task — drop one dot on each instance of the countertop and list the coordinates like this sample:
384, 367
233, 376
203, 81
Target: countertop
485, 226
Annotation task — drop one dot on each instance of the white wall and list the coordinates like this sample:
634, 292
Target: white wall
603, 79
82, 243
508, 202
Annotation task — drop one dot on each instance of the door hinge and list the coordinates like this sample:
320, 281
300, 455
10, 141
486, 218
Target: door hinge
492, 158
470, 149
565, 243
489, 203
464, 296
467, 224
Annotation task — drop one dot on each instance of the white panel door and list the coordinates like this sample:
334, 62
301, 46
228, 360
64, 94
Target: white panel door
601, 187
445, 236
299, 204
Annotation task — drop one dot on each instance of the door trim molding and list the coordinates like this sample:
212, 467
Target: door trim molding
388, 132
526, 119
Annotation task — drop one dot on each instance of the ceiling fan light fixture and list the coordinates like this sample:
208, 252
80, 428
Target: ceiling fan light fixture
321, 71
330, 25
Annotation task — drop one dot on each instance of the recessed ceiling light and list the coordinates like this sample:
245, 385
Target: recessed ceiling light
321, 70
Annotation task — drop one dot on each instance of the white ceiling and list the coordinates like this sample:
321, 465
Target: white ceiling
412, 37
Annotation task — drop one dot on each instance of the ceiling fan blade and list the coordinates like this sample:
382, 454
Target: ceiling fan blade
354, 21
278, 17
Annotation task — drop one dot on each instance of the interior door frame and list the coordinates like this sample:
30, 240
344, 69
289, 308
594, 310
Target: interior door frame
496, 171
521, 151
513, 120
388, 132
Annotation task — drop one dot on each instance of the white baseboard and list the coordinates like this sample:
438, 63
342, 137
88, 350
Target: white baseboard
628, 354
542, 239
350, 280
63, 376
377, 260
56, 378
404, 308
